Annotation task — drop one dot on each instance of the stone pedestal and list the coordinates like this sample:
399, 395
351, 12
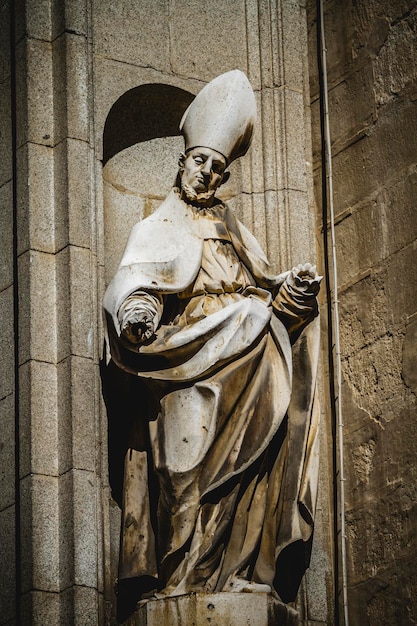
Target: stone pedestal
216, 609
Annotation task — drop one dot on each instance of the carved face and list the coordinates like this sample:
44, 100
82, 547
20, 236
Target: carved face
201, 171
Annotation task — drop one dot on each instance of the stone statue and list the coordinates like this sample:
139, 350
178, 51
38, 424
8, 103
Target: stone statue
213, 376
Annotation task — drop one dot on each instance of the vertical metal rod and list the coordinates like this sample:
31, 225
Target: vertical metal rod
335, 310
13, 104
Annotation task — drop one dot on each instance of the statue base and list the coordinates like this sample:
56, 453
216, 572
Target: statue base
215, 609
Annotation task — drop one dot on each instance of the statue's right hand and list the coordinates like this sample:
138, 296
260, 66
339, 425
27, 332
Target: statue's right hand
137, 326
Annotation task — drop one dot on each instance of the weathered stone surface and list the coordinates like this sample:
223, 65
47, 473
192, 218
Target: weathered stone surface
372, 114
40, 531
191, 21
39, 419
5, 43
7, 452
40, 607
7, 565
80, 301
245, 609
116, 27
5, 131
82, 410
7, 342
35, 198
409, 357
6, 236
37, 315
35, 119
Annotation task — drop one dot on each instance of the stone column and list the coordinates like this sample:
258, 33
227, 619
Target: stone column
59, 553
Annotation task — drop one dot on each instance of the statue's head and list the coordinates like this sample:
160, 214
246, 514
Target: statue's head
201, 171
217, 128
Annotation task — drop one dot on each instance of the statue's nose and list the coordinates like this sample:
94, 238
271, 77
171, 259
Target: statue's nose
206, 168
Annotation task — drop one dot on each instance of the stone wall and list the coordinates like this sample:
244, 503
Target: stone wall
372, 61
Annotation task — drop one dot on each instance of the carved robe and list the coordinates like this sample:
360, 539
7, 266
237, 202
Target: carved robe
220, 473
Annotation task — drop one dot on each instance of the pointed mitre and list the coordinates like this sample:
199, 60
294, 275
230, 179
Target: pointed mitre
222, 116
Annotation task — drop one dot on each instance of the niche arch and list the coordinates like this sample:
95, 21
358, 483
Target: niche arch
143, 113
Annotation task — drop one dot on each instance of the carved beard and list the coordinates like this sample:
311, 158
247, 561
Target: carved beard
193, 196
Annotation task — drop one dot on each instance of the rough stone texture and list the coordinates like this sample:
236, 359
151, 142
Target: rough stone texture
256, 609
118, 29
372, 86
7, 564
7, 342
190, 21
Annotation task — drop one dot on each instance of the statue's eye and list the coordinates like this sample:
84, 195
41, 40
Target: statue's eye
199, 160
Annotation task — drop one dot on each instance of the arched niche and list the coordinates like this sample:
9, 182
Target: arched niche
141, 145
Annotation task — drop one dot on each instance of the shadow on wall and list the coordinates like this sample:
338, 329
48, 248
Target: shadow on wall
143, 113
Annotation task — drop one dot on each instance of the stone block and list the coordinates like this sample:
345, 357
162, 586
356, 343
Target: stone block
374, 375
381, 533
7, 451
7, 342
76, 16
117, 26
5, 130
409, 357
360, 241
7, 565
351, 111
301, 229
293, 45
63, 305
254, 49
77, 86
6, 236
35, 119
402, 283
396, 204
293, 128
86, 606
5, 43
367, 166
364, 313
39, 608
35, 198
190, 22
64, 415
85, 528
83, 394
82, 305
395, 64
80, 606
40, 526
79, 199
38, 419
66, 543
35, 19
37, 307
217, 609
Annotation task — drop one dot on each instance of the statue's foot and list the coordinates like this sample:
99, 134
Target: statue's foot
247, 586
